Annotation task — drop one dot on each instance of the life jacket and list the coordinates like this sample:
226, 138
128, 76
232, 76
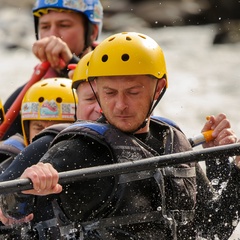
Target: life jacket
9, 149
130, 202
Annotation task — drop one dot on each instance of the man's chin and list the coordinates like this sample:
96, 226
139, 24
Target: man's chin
124, 127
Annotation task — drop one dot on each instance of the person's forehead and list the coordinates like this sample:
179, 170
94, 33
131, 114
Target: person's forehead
122, 80
40, 122
37, 122
84, 85
63, 15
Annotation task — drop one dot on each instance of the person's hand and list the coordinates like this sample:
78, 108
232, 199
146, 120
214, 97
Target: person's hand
11, 221
54, 50
222, 132
44, 178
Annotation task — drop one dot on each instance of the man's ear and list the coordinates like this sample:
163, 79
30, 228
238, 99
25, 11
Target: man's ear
95, 33
160, 86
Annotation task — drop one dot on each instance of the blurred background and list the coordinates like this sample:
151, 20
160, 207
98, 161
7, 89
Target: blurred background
200, 39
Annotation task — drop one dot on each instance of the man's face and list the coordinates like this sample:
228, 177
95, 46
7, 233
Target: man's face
69, 26
88, 107
125, 100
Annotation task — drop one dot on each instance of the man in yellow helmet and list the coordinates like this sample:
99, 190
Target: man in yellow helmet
175, 202
65, 30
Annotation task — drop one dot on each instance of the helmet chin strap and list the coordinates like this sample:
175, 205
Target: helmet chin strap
102, 118
87, 39
95, 96
153, 105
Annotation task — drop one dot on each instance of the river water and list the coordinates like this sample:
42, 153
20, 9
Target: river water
203, 78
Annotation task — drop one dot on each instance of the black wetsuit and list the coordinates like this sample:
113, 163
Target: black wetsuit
213, 216
29, 156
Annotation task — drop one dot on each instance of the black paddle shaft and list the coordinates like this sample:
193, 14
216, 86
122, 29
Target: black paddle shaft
130, 166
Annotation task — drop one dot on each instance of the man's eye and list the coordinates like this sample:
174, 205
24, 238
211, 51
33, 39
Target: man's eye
38, 128
65, 25
90, 99
44, 27
109, 93
133, 93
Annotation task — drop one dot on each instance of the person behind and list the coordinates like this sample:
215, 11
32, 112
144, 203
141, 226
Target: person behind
175, 202
65, 31
87, 108
37, 113
76, 91
42, 226
46, 103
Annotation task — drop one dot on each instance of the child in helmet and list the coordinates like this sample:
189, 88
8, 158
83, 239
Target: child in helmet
64, 30
53, 101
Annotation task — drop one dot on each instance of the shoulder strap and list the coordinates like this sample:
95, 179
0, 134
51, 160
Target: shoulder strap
165, 120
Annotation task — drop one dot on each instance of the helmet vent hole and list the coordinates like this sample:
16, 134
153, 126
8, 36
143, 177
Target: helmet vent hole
59, 100
105, 58
41, 99
128, 38
125, 57
141, 36
111, 39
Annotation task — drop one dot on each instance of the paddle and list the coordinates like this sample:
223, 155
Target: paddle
127, 167
13, 111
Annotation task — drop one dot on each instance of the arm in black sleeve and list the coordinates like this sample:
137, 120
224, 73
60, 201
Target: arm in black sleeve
22, 204
16, 125
91, 194
28, 157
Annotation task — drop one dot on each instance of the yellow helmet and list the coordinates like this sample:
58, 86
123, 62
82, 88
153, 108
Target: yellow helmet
127, 53
2, 112
81, 70
49, 99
